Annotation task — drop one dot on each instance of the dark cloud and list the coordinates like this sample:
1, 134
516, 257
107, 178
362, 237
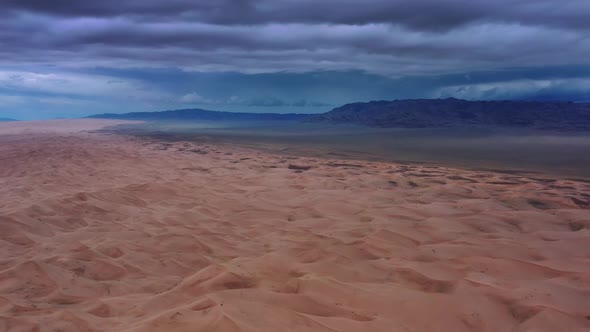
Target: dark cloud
385, 36
380, 48
424, 14
303, 54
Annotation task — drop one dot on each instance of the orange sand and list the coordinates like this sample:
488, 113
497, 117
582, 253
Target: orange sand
108, 233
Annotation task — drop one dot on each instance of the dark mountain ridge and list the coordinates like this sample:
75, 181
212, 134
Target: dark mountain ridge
200, 114
408, 113
7, 119
452, 112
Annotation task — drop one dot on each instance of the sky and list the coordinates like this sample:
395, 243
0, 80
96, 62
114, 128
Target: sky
65, 58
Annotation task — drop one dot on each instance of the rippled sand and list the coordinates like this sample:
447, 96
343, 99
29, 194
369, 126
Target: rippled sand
109, 233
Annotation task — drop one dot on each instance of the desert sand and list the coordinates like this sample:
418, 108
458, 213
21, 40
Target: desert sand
104, 232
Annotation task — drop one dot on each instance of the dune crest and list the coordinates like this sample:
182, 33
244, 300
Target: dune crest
110, 233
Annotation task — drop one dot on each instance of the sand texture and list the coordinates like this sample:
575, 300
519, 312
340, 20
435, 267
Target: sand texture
112, 233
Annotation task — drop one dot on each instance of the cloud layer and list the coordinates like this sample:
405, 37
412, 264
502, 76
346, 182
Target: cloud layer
397, 39
381, 36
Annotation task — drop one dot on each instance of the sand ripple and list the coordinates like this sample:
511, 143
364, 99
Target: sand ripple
107, 233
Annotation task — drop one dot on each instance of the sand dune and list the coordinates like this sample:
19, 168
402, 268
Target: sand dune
110, 233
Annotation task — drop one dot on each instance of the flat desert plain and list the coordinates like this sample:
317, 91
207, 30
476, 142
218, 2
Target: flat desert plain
104, 232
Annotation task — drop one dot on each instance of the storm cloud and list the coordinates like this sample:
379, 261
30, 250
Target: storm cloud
391, 38
417, 15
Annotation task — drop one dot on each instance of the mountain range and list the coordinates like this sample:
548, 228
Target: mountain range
200, 114
410, 113
452, 112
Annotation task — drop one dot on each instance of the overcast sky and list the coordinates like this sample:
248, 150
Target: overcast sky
65, 58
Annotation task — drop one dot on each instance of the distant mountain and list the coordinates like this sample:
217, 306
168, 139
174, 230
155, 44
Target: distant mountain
409, 113
199, 114
6, 119
452, 112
